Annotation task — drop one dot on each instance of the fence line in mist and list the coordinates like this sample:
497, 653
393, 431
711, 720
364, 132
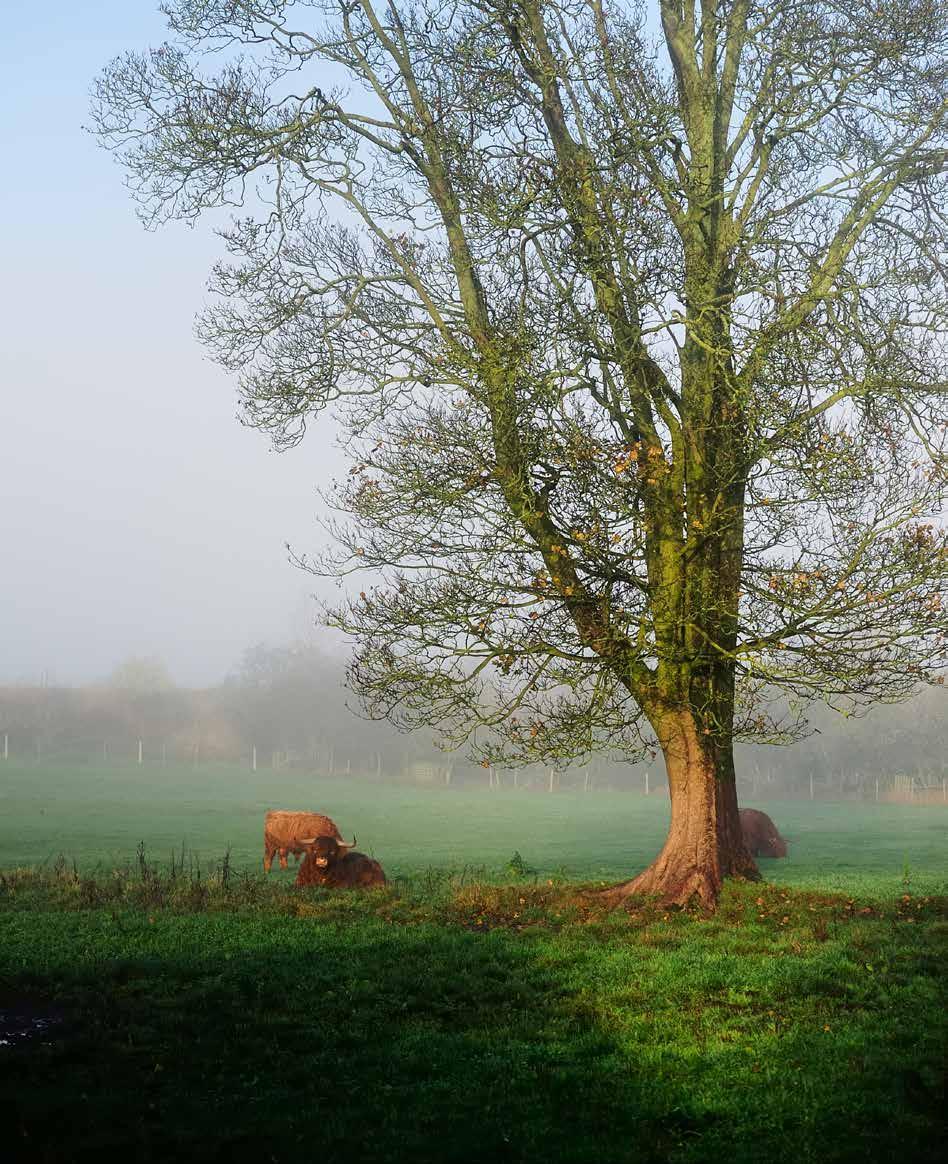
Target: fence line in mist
327, 762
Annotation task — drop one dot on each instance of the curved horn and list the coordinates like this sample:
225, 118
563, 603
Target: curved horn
307, 840
347, 844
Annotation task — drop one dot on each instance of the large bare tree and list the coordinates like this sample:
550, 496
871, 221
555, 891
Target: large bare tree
636, 322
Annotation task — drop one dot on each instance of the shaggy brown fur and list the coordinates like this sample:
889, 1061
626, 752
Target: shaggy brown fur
283, 833
328, 865
760, 834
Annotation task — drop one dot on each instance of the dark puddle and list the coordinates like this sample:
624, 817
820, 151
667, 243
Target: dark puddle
22, 1019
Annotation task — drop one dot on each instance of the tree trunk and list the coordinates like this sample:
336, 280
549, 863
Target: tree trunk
704, 843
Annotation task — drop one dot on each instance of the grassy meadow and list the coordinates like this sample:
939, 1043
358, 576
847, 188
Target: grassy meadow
472, 1010
99, 815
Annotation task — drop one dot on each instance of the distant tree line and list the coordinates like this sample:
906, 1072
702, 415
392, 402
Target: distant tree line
900, 745
286, 707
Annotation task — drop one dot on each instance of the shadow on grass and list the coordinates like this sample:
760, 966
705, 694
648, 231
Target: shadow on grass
195, 1038
396, 1044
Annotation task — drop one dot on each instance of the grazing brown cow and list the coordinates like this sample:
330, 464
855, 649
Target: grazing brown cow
760, 834
286, 832
326, 863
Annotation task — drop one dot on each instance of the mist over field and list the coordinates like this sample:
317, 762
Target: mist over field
287, 708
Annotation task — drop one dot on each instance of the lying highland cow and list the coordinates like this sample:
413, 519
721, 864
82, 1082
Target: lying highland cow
286, 832
327, 863
760, 834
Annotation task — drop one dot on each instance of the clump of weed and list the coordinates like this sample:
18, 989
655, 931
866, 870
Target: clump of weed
184, 885
518, 867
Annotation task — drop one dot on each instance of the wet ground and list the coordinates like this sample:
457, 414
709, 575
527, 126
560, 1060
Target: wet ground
23, 1019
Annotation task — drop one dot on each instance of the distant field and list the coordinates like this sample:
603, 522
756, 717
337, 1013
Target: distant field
98, 816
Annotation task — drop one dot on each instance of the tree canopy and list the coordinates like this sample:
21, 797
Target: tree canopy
635, 317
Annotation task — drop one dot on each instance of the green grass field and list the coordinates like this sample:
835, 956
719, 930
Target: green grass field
99, 816
463, 1013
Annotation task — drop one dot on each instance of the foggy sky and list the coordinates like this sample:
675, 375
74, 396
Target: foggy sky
136, 515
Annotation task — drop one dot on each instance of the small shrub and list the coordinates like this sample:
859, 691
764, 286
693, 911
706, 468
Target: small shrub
518, 867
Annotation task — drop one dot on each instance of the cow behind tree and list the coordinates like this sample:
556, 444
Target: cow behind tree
760, 834
286, 832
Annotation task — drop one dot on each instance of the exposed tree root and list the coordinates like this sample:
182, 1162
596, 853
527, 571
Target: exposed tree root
676, 885
705, 841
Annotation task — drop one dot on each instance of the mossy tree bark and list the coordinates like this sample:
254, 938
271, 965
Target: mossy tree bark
704, 843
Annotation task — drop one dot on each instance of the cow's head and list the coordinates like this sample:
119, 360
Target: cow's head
778, 846
327, 850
